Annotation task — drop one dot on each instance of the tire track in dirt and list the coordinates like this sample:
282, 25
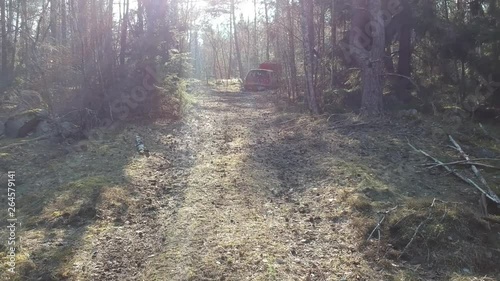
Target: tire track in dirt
212, 223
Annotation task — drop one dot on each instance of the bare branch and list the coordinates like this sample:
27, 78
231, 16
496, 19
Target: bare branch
475, 170
460, 176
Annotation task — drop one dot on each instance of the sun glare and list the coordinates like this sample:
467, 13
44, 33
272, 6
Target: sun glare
244, 9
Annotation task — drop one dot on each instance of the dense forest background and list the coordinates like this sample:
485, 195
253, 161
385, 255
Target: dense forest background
90, 56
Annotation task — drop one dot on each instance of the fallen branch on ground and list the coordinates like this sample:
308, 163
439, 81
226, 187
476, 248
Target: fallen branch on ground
407, 78
460, 176
349, 125
413, 237
484, 208
377, 227
25, 142
418, 228
465, 161
433, 165
288, 121
492, 219
487, 133
475, 170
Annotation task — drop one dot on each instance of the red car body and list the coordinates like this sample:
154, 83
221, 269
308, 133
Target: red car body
264, 78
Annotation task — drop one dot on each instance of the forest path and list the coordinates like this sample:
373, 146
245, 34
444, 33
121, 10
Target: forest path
241, 216
244, 187
237, 190
255, 192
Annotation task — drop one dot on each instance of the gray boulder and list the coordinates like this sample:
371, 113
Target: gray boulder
44, 128
24, 123
69, 130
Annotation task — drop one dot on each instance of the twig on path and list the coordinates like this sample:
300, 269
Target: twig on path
349, 125
460, 176
321, 274
288, 121
377, 227
334, 114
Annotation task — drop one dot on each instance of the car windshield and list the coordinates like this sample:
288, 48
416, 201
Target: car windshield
258, 74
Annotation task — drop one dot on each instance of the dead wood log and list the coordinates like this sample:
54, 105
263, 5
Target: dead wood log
492, 219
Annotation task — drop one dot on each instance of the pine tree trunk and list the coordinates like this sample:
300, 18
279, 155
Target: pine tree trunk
230, 45
123, 36
140, 17
4, 39
405, 52
371, 101
267, 29
14, 44
308, 42
53, 20
255, 47
372, 64
64, 25
24, 33
333, 42
236, 43
291, 44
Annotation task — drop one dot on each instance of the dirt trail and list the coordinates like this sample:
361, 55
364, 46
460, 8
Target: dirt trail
237, 220
255, 193
232, 214
241, 189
